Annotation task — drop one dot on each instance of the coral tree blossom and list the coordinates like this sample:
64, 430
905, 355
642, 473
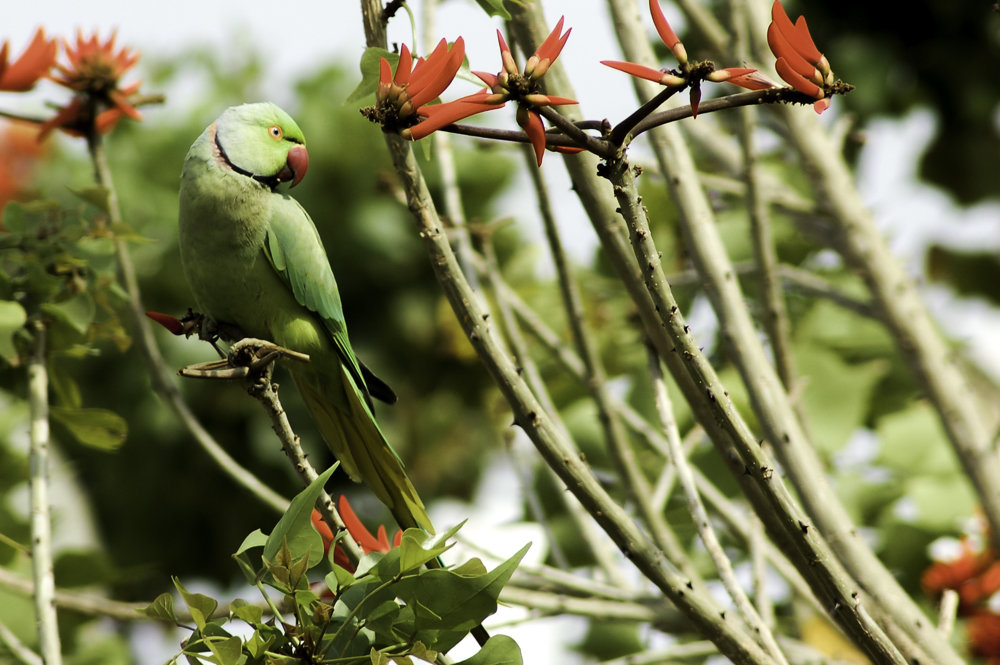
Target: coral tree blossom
799, 63
21, 75
414, 84
94, 70
509, 84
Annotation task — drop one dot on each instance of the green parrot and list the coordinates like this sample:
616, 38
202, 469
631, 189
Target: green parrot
255, 262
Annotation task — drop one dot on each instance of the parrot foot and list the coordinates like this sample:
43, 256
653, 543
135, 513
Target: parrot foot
248, 358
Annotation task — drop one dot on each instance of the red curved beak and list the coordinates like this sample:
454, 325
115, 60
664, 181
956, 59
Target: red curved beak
297, 164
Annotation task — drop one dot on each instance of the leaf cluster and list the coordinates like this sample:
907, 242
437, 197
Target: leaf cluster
389, 608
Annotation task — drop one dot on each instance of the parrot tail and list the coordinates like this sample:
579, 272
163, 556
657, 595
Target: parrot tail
350, 431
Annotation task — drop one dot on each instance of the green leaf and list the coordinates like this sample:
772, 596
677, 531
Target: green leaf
836, 406
447, 605
78, 311
12, 318
338, 578
255, 538
161, 608
941, 503
495, 8
498, 650
241, 609
295, 526
96, 196
64, 386
228, 651
912, 443
96, 428
202, 607
370, 66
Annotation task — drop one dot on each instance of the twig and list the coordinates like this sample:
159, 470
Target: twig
661, 613
47, 621
253, 360
947, 612
603, 554
595, 380
758, 566
700, 516
89, 604
672, 654
265, 391
160, 377
17, 648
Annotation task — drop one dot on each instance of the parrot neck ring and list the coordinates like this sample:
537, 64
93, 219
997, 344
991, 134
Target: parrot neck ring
269, 181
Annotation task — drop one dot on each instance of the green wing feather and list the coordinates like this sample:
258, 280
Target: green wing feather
333, 385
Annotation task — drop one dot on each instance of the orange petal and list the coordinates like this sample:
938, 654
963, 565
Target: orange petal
107, 120
782, 48
750, 79
439, 74
356, 528
821, 105
487, 78
667, 33
532, 125
317, 521
798, 37
404, 67
34, 63
796, 80
642, 71
441, 115
506, 57
549, 49
804, 41
384, 79
427, 67
397, 539
383, 539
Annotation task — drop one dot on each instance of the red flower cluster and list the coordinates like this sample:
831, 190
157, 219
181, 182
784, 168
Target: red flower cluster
22, 74
799, 62
415, 84
409, 98
975, 575
94, 71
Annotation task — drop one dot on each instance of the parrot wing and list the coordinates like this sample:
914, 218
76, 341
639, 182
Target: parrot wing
340, 404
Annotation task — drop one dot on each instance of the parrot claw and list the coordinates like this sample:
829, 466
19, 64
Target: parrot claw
247, 357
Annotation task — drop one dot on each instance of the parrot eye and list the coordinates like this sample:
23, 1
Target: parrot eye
275, 132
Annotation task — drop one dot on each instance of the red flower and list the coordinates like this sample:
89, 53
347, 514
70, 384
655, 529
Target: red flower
509, 84
667, 33
672, 42
19, 154
94, 71
364, 538
22, 74
745, 77
399, 95
984, 636
799, 62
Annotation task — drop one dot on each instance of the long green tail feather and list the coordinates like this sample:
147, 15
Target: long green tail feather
356, 440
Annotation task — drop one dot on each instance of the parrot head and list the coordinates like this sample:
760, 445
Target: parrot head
262, 142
